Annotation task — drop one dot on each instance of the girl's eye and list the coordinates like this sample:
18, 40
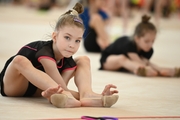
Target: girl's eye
147, 41
78, 41
67, 37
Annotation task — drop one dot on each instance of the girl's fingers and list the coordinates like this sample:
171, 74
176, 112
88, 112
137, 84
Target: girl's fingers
114, 91
110, 86
107, 90
60, 90
113, 86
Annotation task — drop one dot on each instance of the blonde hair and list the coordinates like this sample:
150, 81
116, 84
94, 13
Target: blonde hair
71, 17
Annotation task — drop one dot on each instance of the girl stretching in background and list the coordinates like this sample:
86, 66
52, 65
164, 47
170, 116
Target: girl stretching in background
133, 53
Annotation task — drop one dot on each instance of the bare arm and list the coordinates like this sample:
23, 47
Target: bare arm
62, 79
50, 68
134, 57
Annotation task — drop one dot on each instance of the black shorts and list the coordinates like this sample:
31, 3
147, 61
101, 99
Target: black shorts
30, 90
103, 60
90, 42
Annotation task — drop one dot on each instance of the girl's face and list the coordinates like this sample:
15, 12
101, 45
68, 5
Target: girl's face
67, 40
145, 42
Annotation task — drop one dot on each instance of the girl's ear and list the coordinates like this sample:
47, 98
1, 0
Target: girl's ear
54, 36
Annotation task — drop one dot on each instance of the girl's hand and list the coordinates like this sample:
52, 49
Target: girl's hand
107, 90
50, 91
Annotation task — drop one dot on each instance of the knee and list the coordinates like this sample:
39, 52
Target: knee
82, 60
20, 61
122, 58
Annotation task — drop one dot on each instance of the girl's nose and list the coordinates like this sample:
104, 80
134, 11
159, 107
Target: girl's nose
71, 45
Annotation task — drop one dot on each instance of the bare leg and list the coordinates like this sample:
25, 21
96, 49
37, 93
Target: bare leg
20, 71
167, 72
83, 82
115, 62
158, 11
163, 71
146, 7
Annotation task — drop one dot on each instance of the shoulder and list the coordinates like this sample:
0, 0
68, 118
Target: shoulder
31, 47
45, 49
119, 43
37, 44
123, 40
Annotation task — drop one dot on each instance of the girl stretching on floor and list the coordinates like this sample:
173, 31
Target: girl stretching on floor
45, 68
133, 53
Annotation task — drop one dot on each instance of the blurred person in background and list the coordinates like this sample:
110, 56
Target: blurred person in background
95, 20
132, 54
159, 8
116, 8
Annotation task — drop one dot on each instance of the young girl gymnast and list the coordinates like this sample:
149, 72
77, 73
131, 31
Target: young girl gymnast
44, 68
133, 54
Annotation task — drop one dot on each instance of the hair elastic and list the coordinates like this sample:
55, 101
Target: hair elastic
74, 12
78, 20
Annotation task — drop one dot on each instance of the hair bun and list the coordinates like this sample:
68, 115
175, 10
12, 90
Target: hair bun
145, 19
79, 8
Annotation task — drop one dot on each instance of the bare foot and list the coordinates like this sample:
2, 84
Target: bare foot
50, 91
107, 90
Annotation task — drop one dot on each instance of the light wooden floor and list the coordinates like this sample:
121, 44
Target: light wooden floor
139, 96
